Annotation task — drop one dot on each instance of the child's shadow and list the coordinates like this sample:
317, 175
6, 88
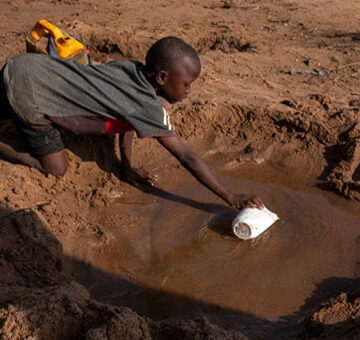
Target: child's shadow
207, 207
101, 149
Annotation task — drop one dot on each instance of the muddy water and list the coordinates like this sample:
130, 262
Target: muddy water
180, 256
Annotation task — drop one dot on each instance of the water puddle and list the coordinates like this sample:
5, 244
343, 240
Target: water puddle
181, 256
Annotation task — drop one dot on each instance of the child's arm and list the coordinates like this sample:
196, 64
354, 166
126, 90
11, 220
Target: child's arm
125, 145
127, 172
197, 167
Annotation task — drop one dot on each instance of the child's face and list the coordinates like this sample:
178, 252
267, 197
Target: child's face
175, 85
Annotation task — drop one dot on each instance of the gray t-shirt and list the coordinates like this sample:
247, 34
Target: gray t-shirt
40, 86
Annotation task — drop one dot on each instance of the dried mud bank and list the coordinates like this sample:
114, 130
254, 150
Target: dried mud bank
320, 136
336, 319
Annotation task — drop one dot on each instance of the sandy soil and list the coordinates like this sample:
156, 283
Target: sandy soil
279, 86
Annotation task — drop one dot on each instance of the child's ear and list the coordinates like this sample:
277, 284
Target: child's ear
161, 77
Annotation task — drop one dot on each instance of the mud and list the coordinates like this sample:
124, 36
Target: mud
194, 257
274, 112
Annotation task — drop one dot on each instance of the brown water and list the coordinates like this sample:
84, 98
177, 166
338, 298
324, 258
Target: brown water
180, 256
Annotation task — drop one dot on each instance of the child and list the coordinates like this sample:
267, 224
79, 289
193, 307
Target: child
43, 92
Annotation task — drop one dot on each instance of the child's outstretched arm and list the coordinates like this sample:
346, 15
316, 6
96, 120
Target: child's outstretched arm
127, 172
197, 167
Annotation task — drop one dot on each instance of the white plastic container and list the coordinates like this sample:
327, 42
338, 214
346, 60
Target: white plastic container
251, 222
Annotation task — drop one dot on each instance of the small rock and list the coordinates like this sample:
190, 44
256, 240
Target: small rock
354, 102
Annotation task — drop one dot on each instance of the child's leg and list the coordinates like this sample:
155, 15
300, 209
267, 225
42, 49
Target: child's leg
46, 147
9, 150
54, 163
42, 150
11, 153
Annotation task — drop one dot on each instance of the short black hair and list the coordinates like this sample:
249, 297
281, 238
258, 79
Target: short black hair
165, 53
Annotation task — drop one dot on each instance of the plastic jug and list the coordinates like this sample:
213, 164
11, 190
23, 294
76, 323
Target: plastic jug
66, 46
251, 222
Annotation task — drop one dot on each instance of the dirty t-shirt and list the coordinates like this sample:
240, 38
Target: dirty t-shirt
84, 99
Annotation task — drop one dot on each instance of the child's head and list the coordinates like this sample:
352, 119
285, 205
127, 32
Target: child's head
171, 65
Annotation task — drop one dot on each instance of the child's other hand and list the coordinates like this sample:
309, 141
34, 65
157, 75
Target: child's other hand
246, 201
138, 177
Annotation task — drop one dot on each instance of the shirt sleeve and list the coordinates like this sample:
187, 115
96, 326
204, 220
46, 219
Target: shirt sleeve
116, 126
154, 123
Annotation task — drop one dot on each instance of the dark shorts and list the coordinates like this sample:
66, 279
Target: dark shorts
42, 142
38, 142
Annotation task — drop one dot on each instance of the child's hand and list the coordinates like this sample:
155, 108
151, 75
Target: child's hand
138, 177
246, 201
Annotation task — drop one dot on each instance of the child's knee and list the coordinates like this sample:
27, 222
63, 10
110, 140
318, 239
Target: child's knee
55, 164
58, 171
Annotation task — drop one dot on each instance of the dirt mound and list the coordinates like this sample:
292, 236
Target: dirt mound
337, 319
226, 43
30, 256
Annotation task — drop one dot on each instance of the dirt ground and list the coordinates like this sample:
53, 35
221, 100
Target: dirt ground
279, 86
